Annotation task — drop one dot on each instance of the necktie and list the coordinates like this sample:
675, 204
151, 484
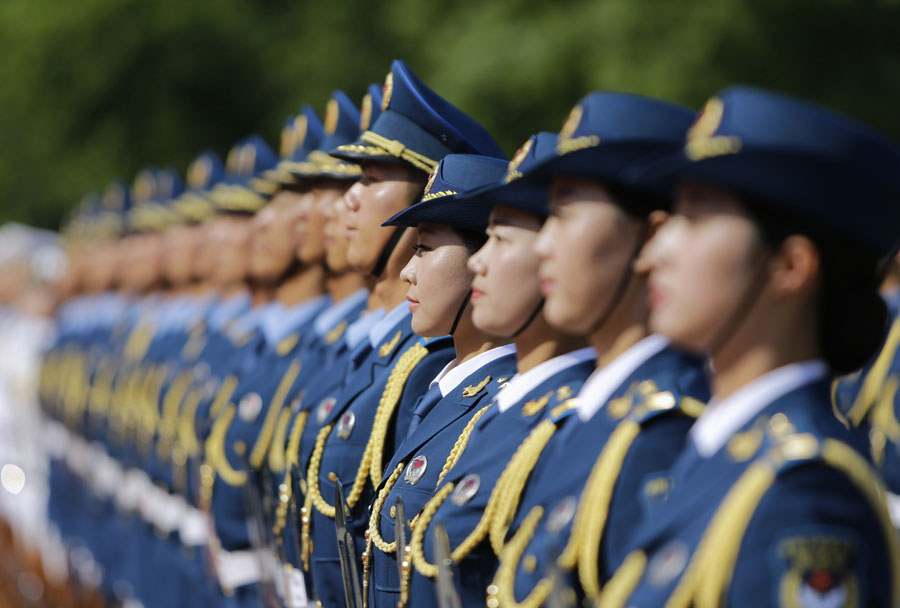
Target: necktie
424, 405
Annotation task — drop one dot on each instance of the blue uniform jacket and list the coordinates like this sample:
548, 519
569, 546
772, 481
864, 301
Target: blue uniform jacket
786, 513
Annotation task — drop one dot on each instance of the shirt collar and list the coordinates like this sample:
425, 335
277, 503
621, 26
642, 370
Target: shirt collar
280, 322
521, 384
720, 420
337, 311
603, 382
359, 329
452, 375
380, 330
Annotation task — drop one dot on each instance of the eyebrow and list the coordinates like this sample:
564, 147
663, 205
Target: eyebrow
424, 229
504, 221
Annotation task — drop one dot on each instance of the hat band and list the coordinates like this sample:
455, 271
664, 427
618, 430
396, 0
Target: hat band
399, 150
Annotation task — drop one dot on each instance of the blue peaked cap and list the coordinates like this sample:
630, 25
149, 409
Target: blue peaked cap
204, 172
443, 201
417, 127
795, 157
341, 126
515, 187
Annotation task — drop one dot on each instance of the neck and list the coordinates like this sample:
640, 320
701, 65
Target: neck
468, 341
539, 342
625, 327
302, 285
232, 288
759, 348
340, 286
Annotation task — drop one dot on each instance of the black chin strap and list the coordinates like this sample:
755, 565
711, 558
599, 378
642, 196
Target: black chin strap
531, 317
459, 313
622, 286
387, 251
745, 305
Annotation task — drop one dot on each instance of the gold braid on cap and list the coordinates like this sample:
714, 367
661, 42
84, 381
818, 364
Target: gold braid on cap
399, 150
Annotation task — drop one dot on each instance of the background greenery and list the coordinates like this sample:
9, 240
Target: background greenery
91, 90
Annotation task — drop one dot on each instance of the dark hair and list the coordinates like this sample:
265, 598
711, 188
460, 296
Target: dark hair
472, 240
852, 315
636, 203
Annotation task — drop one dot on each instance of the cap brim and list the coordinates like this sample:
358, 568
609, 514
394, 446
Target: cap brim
453, 210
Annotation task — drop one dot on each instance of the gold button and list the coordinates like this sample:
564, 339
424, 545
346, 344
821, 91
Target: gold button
529, 564
332, 477
393, 511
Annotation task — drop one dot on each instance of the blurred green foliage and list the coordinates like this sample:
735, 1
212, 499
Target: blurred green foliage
91, 90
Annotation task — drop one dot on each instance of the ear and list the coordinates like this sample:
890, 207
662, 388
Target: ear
642, 263
795, 267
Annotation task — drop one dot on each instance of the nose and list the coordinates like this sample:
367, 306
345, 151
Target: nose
408, 273
544, 240
476, 261
351, 199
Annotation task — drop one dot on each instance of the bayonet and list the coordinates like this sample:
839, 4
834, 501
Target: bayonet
403, 562
346, 549
446, 592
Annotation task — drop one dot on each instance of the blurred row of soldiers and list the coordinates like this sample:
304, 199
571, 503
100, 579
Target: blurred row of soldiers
382, 367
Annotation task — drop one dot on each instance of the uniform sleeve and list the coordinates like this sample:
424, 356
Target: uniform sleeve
814, 540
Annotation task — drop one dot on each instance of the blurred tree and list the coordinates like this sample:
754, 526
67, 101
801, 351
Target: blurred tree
94, 89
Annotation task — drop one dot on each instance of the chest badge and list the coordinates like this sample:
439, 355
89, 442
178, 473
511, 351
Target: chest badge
415, 470
297, 401
667, 564
466, 489
249, 407
345, 425
324, 408
561, 514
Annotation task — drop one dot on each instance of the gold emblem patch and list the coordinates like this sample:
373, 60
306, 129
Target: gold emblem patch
331, 116
365, 113
386, 91
819, 573
512, 170
471, 391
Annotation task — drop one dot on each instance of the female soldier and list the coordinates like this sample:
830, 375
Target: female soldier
770, 265
584, 494
448, 232
507, 302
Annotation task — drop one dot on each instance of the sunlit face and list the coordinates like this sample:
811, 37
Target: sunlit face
586, 247
335, 232
273, 237
100, 264
140, 260
324, 193
229, 238
182, 244
383, 190
438, 279
506, 289
702, 264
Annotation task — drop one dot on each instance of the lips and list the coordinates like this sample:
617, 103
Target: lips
476, 294
413, 303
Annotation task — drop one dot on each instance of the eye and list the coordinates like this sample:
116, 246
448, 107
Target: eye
420, 248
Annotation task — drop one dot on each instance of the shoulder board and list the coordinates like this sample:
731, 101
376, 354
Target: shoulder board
435, 344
